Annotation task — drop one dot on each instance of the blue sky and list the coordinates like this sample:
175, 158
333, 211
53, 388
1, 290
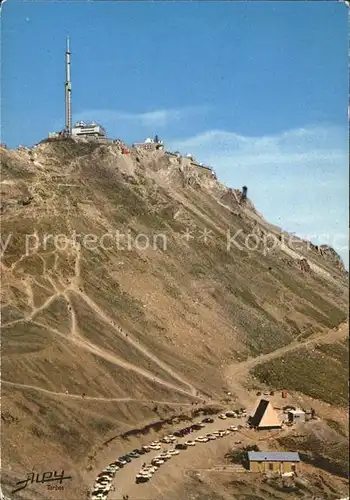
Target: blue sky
259, 90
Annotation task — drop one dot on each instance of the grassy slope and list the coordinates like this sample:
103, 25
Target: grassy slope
323, 446
310, 372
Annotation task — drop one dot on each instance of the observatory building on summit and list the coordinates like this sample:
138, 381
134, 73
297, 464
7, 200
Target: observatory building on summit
91, 129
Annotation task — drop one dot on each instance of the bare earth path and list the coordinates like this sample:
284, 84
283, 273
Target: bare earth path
324, 338
62, 290
235, 373
238, 372
90, 398
137, 344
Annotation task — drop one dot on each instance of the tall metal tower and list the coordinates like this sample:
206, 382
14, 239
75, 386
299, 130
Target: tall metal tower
68, 92
348, 5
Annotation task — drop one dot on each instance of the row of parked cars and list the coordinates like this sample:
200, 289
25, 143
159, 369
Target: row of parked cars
242, 412
103, 482
147, 471
208, 437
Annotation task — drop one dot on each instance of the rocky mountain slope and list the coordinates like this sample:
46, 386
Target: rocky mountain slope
136, 285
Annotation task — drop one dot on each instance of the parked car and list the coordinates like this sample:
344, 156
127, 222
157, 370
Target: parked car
102, 474
208, 420
173, 452
101, 479
108, 474
98, 494
139, 451
158, 461
147, 475
181, 446
233, 428
116, 463
104, 484
201, 439
105, 488
211, 437
165, 440
190, 443
197, 427
155, 446
230, 414
142, 478
150, 469
111, 468
153, 467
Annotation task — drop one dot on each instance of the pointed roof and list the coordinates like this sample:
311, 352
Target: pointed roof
265, 416
255, 407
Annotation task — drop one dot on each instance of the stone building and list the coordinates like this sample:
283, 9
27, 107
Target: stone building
273, 462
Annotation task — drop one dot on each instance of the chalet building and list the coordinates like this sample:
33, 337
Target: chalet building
296, 416
264, 416
273, 462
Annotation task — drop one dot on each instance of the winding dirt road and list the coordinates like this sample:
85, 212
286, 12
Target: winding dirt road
62, 290
90, 398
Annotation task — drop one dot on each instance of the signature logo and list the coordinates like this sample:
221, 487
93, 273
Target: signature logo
46, 477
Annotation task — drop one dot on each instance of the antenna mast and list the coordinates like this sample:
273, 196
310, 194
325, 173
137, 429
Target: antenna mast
68, 93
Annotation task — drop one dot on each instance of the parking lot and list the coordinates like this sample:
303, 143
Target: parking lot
137, 473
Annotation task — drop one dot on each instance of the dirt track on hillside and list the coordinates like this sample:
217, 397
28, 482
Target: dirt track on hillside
238, 373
